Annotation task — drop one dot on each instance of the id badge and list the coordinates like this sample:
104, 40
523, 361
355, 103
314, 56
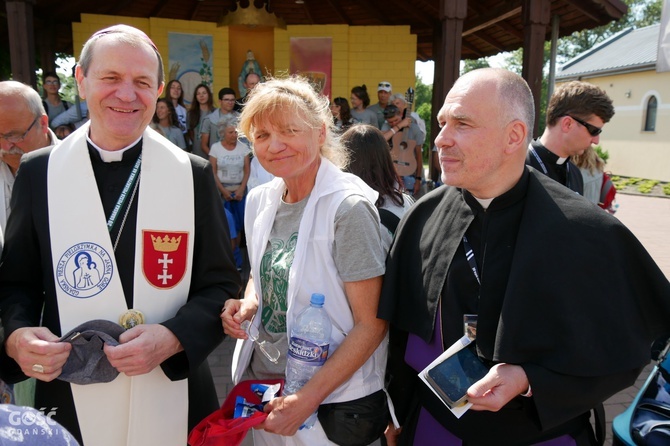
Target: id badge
470, 326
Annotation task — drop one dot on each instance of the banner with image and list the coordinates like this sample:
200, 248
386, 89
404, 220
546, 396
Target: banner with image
190, 61
312, 57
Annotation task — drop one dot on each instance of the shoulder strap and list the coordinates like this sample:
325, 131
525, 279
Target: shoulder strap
388, 219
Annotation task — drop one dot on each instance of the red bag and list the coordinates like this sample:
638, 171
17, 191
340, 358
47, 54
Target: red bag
221, 428
607, 194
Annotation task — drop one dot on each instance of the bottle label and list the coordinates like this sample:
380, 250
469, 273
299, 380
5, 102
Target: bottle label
307, 351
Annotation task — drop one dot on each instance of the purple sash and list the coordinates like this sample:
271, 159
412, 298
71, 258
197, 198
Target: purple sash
429, 431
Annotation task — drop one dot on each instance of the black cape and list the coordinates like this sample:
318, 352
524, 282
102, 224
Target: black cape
583, 300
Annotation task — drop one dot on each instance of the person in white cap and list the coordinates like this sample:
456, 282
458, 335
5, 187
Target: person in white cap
384, 91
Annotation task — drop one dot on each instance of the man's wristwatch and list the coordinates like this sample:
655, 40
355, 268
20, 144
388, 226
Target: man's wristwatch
417, 178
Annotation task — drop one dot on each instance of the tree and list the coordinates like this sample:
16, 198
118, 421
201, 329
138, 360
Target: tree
473, 64
423, 95
640, 13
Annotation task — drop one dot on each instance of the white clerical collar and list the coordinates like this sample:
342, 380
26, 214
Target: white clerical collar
485, 202
561, 160
111, 156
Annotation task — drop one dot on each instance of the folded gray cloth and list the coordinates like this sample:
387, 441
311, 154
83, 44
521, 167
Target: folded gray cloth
87, 363
26, 426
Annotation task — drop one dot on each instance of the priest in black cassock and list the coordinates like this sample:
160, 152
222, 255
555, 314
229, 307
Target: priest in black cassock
117, 223
576, 115
567, 301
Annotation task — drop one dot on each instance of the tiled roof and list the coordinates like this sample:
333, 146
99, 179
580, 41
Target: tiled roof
627, 51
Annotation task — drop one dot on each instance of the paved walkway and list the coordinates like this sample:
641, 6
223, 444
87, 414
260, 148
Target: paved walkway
647, 217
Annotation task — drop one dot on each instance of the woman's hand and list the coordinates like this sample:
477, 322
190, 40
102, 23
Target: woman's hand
287, 414
226, 195
235, 311
239, 193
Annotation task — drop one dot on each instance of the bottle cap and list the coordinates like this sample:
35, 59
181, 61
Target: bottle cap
317, 299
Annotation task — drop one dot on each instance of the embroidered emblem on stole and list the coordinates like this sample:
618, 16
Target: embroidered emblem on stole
164, 256
84, 270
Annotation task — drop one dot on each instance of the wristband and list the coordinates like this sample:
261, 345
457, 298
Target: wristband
417, 178
393, 130
528, 393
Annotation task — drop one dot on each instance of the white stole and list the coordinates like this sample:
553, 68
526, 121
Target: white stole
146, 409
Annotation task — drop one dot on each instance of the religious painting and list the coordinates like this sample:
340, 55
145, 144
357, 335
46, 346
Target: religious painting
312, 57
190, 61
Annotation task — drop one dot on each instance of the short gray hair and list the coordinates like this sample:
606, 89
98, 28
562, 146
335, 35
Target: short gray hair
121, 33
31, 98
398, 96
226, 121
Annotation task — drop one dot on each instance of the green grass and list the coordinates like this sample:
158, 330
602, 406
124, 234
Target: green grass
647, 186
640, 185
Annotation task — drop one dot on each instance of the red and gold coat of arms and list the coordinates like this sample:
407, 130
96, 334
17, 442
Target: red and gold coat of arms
164, 257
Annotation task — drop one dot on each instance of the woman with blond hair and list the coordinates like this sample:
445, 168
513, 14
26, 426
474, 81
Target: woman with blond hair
313, 229
598, 187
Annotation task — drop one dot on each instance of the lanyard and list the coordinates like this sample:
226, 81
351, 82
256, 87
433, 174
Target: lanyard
470, 256
132, 179
546, 172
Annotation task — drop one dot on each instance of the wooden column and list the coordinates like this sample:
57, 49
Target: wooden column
22, 40
46, 43
447, 45
536, 17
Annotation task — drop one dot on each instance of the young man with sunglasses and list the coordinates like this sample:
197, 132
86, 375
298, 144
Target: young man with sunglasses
576, 115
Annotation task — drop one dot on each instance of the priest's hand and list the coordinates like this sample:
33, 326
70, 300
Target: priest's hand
142, 349
38, 352
500, 385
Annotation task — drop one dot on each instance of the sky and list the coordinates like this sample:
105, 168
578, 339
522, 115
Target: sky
425, 69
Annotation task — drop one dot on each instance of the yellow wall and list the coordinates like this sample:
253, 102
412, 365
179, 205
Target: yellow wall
361, 55
633, 151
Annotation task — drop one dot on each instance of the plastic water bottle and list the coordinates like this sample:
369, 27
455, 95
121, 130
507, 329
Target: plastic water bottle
307, 348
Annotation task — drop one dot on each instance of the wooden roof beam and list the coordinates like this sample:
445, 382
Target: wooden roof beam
579, 6
340, 12
158, 10
490, 40
494, 16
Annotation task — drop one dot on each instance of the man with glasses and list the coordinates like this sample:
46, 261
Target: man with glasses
576, 115
384, 91
24, 127
209, 133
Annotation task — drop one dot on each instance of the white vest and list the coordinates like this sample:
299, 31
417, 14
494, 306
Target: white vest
146, 409
313, 269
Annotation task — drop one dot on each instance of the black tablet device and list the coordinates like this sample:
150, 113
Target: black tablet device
452, 377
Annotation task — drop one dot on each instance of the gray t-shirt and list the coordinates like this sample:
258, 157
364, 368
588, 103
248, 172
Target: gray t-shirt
357, 254
367, 116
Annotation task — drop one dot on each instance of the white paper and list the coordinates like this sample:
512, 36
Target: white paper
452, 350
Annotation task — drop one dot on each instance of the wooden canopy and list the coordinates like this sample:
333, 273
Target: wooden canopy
447, 30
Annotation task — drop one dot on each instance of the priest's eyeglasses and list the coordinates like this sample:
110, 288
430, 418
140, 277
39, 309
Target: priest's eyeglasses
270, 351
13, 138
592, 129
